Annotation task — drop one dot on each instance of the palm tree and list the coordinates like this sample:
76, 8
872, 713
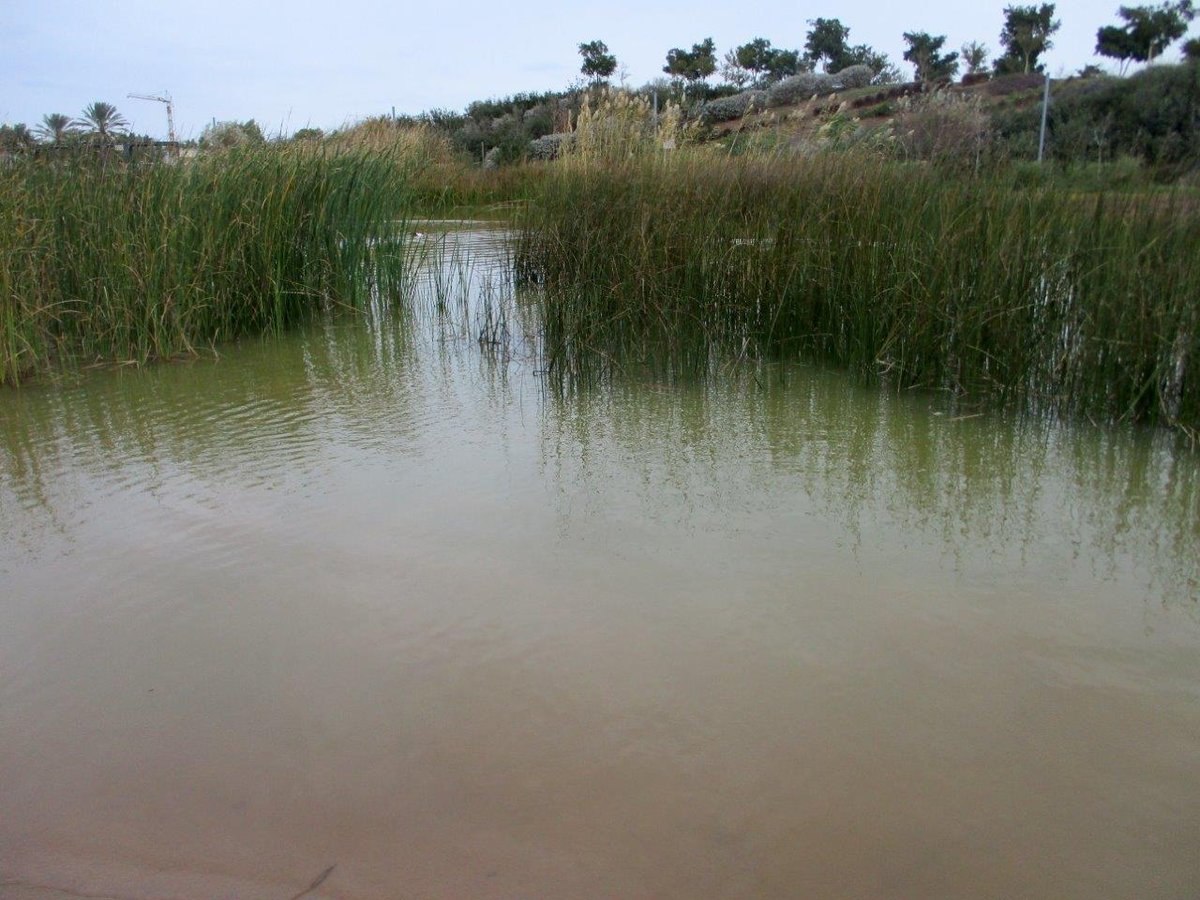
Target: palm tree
56, 128
101, 122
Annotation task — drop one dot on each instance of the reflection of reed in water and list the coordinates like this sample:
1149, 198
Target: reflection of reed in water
266, 408
866, 460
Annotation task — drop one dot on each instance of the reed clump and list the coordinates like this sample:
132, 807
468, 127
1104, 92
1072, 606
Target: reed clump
618, 125
1076, 302
104, 261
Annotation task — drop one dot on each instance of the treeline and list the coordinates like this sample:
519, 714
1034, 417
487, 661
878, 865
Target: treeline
101, 125
495, 131
1105, 120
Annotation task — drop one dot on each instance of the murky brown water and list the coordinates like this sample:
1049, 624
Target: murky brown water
371, 596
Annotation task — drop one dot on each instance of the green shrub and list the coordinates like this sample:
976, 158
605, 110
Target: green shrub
1153, 115
733, 107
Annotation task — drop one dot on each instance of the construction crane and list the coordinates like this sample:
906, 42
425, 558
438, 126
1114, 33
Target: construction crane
163, 98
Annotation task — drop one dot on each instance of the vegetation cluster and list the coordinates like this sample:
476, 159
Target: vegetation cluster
807, 205
758, 76
980, 286
1151, 118
101, 260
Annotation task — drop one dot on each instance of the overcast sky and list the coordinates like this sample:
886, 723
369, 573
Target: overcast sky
298, 63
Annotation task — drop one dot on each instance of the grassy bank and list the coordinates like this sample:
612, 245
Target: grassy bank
104, 261
1078, 302
444, 182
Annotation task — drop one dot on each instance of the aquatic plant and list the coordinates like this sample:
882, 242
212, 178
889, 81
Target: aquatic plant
106, 261
1055, 299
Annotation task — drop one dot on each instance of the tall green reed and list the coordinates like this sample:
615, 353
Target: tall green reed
106, 261
1066, 301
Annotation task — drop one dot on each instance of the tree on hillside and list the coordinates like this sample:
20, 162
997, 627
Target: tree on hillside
763, 62
598, 63
232, 134
14, 138
253, 132
924, 52
784, 63
1116, 43
1025, 37
827, 43
732, 71
875, 60
101, 122
56, 128
975, 55
755, 56
692, 65
1147, 32
1191, 50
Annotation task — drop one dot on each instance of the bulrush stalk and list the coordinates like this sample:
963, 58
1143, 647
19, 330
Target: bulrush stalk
102, 261
1057, 299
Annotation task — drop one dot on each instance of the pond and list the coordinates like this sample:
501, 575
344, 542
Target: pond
383, 597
